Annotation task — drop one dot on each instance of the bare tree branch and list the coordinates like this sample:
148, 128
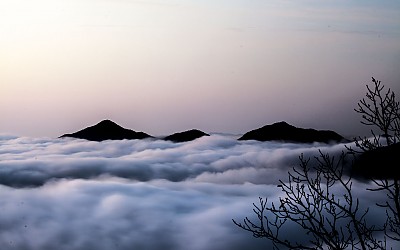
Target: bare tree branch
318, 195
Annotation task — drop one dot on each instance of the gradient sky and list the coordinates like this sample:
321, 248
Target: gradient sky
163, 66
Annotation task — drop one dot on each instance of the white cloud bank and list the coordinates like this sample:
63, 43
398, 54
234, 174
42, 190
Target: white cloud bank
149, 194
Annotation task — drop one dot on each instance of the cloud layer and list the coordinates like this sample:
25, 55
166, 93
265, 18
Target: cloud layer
217, 159
148, 194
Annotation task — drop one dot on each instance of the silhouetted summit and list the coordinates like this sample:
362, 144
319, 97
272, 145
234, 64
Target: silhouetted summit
107, 130
282, 131
380, 163
185, 136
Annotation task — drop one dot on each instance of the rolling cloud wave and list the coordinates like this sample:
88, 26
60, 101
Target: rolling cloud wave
147, 194
33, 162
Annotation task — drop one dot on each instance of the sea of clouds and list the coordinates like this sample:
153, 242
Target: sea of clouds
142, 194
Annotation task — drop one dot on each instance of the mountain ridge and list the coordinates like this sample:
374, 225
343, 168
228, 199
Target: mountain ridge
279, 131
282, 131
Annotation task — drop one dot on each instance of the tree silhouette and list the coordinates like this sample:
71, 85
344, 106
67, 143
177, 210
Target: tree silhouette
382, 111
318, 195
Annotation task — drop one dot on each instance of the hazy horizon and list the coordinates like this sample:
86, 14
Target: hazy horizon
165, 66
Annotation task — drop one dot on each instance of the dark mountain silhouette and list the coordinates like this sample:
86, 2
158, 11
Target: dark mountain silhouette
107, 130
185, 136
380, 163
281, 131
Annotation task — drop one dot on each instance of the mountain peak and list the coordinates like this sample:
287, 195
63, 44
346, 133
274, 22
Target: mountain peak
107, 123
282, 131
185, 136
107, 130
281, 124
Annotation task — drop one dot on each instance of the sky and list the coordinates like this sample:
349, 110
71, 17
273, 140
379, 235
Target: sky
72, 194
163, 66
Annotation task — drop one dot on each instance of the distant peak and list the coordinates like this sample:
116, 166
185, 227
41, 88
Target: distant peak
282, 131
107, 130
282, 123
185, 136
107, 122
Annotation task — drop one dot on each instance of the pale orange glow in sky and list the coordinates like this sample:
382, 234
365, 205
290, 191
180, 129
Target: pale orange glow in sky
166, 66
